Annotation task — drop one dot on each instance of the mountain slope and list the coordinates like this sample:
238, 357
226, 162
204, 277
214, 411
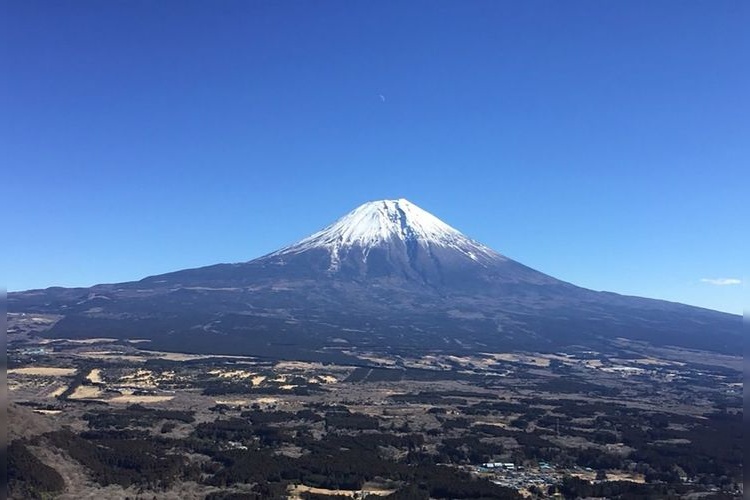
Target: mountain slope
386, 274
395, 224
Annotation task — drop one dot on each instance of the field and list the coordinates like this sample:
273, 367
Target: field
110, 419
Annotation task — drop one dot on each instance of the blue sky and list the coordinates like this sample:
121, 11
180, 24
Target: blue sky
604, 143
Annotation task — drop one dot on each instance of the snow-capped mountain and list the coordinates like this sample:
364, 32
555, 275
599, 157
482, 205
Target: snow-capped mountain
386, 275
385, 223
396, 239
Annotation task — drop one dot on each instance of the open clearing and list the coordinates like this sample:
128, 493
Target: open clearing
57, 391
43, 371
95, 376
86, 392
139, 399
297, 491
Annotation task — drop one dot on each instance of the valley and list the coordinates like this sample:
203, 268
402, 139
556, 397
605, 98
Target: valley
132, 422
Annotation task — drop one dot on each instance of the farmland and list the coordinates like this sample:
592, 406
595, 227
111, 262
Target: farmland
563, 423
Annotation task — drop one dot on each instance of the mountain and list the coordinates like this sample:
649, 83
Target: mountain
393, 237
386, 275
397, 239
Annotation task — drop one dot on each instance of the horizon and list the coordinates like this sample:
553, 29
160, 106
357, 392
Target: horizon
342, 217
604, 145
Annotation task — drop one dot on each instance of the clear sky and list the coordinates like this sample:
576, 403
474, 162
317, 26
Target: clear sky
604, 143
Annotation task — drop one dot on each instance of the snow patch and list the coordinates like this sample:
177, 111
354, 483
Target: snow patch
377, 223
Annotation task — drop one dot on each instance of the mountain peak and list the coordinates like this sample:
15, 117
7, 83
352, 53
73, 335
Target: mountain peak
377, 221
385, 223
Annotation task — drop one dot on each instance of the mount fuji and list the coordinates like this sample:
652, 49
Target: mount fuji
386, 275
396, 239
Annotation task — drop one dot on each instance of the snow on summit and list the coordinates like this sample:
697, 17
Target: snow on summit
379, 223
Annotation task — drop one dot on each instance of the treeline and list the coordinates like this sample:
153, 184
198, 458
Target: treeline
135, 416
126, 460
574, 487
338, 461
667, 447
350, 469
29, 477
